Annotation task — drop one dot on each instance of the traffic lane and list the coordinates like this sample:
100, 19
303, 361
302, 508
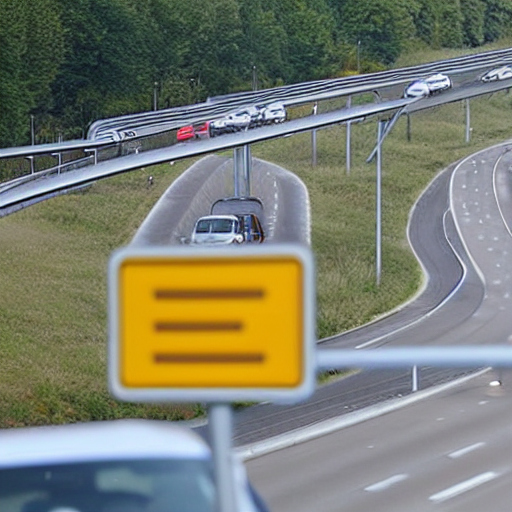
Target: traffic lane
442, 266
487, 238
476, 185
437, 244
423, 456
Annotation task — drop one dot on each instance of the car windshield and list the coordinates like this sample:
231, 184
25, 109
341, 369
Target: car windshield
121, 486
215, 226
222, 226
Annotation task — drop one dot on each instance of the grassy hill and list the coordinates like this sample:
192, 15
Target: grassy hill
53, 255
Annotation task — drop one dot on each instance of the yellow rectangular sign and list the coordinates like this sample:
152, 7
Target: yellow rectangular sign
203, 322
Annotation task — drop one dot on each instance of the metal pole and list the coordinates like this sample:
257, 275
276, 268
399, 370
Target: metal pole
254, 79
313, 138
468, 122
358, 58
32, 130
220, 424
155, 96
247, 170
414, 378
31, 160
409, 137
378, 227
238, 170
348, 143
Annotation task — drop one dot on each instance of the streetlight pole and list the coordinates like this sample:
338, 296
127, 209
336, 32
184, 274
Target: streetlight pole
358, 56
254, 79
32, 130
155, 96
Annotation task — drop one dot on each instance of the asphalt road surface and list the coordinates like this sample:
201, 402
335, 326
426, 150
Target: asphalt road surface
448, 452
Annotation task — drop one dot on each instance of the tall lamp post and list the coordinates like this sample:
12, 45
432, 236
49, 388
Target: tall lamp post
32, 130
155, 96
254, 79
358, 56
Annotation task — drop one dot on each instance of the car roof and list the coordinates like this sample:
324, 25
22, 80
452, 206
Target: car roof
99, 441
437, 76
211, 217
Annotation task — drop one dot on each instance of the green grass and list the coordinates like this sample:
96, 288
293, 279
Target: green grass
53, 255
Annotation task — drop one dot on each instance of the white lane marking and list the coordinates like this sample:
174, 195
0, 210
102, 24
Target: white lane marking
465, 486
464, 451
384, 484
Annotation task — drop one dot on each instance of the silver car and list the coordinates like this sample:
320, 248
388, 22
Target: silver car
112, 466
427, 86
503, 73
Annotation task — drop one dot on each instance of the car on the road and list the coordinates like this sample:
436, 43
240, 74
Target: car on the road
185, 133
427, 86
502, 73
238, 121
274, 113
220, 126
217, 229
227, 229
113, 466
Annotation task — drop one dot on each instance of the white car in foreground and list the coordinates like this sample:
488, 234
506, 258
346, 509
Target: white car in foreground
503, 73
112, 466
428, 86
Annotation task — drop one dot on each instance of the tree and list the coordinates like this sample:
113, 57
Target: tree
498, 19
383, 27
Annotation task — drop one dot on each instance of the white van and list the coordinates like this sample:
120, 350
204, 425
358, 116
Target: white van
218, 229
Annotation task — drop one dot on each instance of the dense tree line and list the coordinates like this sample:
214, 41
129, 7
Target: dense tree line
69, 62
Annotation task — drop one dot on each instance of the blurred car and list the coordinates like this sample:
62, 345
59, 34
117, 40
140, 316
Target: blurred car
256, 115
185, 133
220, 126
503, 73
428, 86
112, 466
228, 229
203, 130
274, 113
239, 121
217, 229
438, 83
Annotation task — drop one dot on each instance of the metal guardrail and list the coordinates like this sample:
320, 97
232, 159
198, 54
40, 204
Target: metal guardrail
152, 124
294, 94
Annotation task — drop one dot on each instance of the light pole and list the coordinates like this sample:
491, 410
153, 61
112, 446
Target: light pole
155, 96
193, 89
32, 130
254, 79
358, 56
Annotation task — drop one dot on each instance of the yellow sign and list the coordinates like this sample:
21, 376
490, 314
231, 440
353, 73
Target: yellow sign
211, 320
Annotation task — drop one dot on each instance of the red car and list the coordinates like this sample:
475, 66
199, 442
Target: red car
186, 133
202, 131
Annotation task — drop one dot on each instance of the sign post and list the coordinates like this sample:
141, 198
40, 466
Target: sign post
213, 325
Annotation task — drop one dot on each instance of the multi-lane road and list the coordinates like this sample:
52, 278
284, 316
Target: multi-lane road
438, 451
451, 451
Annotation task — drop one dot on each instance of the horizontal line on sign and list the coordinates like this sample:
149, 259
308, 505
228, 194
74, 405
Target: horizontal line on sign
197, 326
240, 357
181, 294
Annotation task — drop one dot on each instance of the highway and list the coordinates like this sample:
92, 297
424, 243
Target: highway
459, 232
451, 451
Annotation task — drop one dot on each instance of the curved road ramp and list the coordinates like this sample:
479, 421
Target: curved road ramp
285, 200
